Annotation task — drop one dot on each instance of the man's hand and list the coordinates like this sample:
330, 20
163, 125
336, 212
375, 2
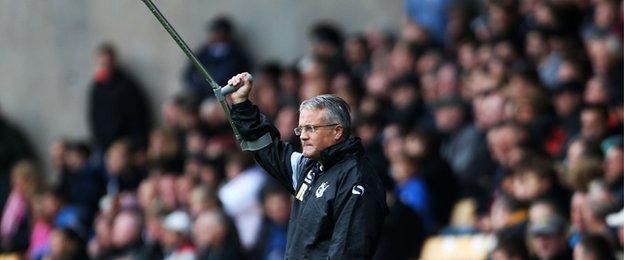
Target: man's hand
244, 84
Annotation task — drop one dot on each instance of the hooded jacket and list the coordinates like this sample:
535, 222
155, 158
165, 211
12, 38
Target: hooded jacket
339, 204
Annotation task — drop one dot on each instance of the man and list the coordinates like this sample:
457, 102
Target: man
126, 236
215, 238
240, 196
221, 55
117, 105
593, 247
176, 240
546, 239
339, 203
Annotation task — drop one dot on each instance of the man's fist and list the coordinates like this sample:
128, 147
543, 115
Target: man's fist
244, 84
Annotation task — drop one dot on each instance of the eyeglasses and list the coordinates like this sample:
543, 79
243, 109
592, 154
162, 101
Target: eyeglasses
309, 128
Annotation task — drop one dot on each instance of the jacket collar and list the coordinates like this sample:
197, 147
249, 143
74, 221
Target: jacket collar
335, 153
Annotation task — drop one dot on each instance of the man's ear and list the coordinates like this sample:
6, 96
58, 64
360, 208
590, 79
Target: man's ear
338, 132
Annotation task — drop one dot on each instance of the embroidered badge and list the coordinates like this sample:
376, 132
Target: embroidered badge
357, 190
321, 189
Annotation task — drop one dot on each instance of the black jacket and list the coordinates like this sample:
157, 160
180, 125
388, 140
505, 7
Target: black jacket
117, 108
337, 213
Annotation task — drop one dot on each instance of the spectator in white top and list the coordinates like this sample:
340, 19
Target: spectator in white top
240, 196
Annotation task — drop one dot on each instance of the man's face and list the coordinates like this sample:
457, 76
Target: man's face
614, 164
593, 126
126, 230
313, 143
277, 208
547, 246
206, 231
448, 118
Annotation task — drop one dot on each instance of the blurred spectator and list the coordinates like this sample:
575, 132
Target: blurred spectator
266, 95
432, 16
44, 213
566, 102
240, 196
220, 54
271, 243
16, 215
285, 122
326, 49
165, 149
593, 247
594, 123
546, 239
125, 237
81, 185
405, 102
461, 144
187, 111
166, 184
101, 239
616, 220
410, 218
202, 198
506, 217
614, 167
580, 148
441, 183
599, 205
412, 191
176, 241
534, 181
117, 105
509, 248
357, 55
121, 174
57, 156
66, 244
215, 238
368, 128
543, 209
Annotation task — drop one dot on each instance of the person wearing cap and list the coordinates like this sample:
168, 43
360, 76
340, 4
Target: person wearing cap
175, 240
546, 238
339, 201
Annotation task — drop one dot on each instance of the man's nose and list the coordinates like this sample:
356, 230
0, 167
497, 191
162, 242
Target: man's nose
304, 135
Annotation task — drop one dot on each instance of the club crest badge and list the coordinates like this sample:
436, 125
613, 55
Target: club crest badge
321, 189
357, 190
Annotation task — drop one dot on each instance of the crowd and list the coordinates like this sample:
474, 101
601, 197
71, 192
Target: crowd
495, 125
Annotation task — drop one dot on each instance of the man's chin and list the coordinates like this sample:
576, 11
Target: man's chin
309, 154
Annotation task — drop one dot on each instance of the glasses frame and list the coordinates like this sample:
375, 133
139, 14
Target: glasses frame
310, 128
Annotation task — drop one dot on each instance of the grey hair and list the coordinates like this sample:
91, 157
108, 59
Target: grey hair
336, 110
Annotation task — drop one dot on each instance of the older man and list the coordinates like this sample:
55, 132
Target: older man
339, 203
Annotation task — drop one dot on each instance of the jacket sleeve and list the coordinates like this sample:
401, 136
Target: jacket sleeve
359, 213
279, 158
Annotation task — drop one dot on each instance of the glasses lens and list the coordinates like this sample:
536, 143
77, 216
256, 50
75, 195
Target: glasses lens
310, 129
297, 131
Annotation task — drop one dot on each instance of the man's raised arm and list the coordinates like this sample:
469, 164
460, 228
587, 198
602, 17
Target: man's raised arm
278, 158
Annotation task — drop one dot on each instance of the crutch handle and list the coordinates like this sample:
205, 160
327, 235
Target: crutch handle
229, 89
